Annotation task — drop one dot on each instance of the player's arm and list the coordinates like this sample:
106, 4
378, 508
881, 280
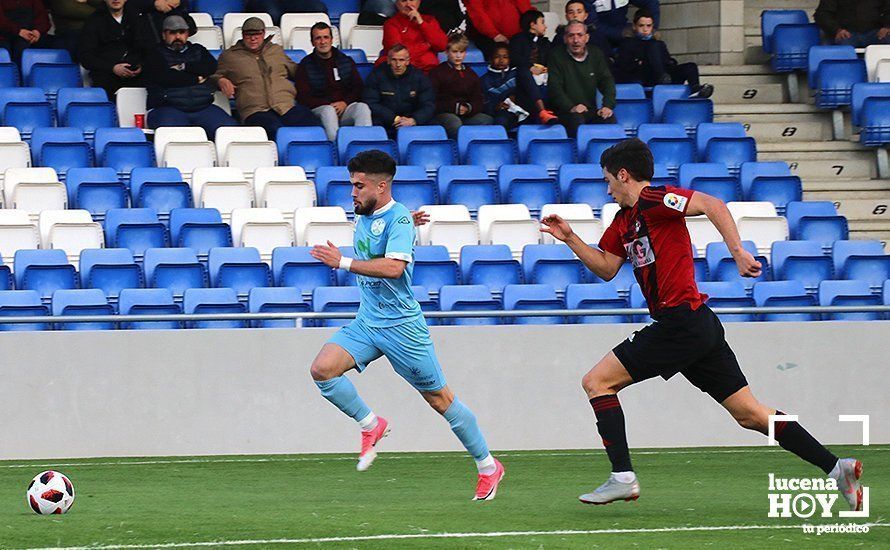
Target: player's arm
382, 268
716, 211
604, 264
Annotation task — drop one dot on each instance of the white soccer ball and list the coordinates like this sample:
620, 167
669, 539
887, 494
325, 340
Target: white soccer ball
50, 493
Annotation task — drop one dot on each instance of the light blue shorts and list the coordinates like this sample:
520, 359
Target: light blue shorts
408, 347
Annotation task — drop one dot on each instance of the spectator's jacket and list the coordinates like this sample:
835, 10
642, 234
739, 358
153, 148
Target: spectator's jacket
151, 21
493, 17
497, 86
632, 59
262, 80
571, 82
527, 49
853, 15
70, 15
409, 95
454, 88
179, 88
597, 39
610, 16
16, 15
422, 41
104, 42
317, 85
447, 13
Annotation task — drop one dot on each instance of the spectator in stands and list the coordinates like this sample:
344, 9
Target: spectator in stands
276, 8
576, 10
610, 17
257, 73
24, 24
68, 18
328, 83
500, 90
492, 21
421, 34
109, 48
857, 23
176, 73
576, 73
529, 50
458, 90
399, 94
151, 18
450, 14
644, 59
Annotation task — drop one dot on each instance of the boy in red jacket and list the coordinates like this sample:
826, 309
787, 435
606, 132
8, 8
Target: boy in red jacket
421, 34
458, 90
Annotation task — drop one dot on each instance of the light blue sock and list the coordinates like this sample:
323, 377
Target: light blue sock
343, 395
463, 424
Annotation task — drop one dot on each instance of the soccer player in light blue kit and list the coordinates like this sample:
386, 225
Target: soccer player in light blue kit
389, 321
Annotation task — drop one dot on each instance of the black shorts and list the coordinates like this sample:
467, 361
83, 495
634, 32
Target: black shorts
685, 341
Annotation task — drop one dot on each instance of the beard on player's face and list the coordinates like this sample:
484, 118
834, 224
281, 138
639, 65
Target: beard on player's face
366, 207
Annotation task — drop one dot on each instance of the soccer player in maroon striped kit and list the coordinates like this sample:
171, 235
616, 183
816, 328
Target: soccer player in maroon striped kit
686, 337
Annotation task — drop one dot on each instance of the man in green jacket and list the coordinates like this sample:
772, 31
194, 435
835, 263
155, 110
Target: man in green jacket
575, 74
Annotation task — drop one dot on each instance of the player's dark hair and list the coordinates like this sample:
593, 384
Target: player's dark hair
496, 48
373, 161
631, 154
570, 2
320, 26
529, 17
641, 13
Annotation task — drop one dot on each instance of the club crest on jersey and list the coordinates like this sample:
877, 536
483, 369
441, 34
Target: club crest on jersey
675, 201
637, 226
377, 227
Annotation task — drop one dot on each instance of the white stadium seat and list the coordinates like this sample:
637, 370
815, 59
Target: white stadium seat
366, 38
764, 231
221, 101
17, 232
202, 19
347, 22
71, 231
295, 29
757, 209
14, 153
584, 224
245, 147
130, 102
283, 187
509, 224
873, 56
607, 213
223, 188
262, 228
184, 147
232, 27
33, 190
702, 232
882, 74
450, 226
319, 224
209, 37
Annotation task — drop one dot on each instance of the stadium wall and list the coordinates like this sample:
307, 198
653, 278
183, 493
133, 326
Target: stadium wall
193, 392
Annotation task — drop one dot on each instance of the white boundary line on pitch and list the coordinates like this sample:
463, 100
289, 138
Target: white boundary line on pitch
414, 455
498, 534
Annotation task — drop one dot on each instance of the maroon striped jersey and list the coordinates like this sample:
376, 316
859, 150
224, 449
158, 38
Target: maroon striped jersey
653, 236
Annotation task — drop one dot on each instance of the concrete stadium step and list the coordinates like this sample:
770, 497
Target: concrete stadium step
845, 186
815, 166
836, 148
862, 203
753, 92
871, 211
719, 80
771, 123
871, 234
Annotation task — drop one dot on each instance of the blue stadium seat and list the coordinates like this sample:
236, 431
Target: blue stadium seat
343, 277
770, 19
96, 190
364, 70
662, 176
584, 183
725, 188
528, 184
6, 280
9, 75
872, 268
627, 91
630, 113
533, 297
332, 299
22, 303
161, 189
818, 54
835, 81
491, 265
26, 109
87, 109
123, 149
816, 220
51, 77
336, 8
663, 93
468, 134
875, 120
148, 301
721, 266
295, 267
779, 190
751, 170
669, 143
199, 229
357, 55
217, 8
486, 146
637, 301
728, 294
801, 261
554, 264
690, 171
623, 280
334, 188
849, 293
595, 296
352, 140
784, 294
81, 302
111, 270
278, 300
467, 185
791, 45
700, 267
732, 152
689, 113
176, 269
44, 271
709, 130
426, 146
861, 92
593, 139
238, 268
61, 149
434, 268
295, 55
412, 187
213, 300
426, 304
862, 249
468, 298
33, 56
135, 228
307, 147
545, 145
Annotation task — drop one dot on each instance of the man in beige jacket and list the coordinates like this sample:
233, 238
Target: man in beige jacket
258, 74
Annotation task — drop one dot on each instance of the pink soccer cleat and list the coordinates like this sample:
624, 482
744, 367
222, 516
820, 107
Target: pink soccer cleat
369, 440
487, 486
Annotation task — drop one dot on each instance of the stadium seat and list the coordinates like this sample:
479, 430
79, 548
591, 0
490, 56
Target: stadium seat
86, 302
528, 184
137, 229
239, 268
232, 22
352, 140
17, 232
6, 280
450, 225
131, 102
307, 147
860, 93
334, 188
96, 190
722, 267
816, 220
111, 270
335, 299
580, 215
426, 146
60, 149
211, 37
725, 188
842, 250
818, 54
732, 152
709, 130
218, 8
728, 294
277, 300
176, 269
864, 263
283, 187
467, 185
434, 268
779, 190
199, 229
532, 297
486, 146
489, 265
874, 55
44, 271
791, 45
9, 75
261, 228
148, 301
245, 147
593, 139
607, 214
161, 189
751, 170
835, 80
748, 209
875, 119
295, 29
213, 300
71, 231
320, 224
663, 93
359, 56
689, 113
763, 231
123, 149
468, 298
509, 224
295, 267
630, 113
25, 109
223, 188
368, 38
595, 296
185, 148
669, 144
638, 301
412, 187
22, 303
784, 294
33, 56
87, 109
554, 264
690, 171
548, 146
770, 19
33, 190
849, 293
583, 183
801, 261
14, 153
702, 232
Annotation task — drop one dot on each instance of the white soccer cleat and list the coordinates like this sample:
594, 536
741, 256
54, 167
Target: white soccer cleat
849, 470
369, 440
612, 490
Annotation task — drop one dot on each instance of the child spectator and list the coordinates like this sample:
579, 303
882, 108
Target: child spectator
458, 90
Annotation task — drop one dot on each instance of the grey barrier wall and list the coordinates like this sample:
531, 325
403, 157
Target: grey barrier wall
194, 392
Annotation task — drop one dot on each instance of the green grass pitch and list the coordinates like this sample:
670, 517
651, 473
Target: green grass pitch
291, 501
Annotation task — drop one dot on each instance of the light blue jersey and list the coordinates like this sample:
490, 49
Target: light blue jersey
387, 233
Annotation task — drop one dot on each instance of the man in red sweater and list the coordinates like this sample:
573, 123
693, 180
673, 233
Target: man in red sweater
421, 34
492, 21
23, 24
458, 90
